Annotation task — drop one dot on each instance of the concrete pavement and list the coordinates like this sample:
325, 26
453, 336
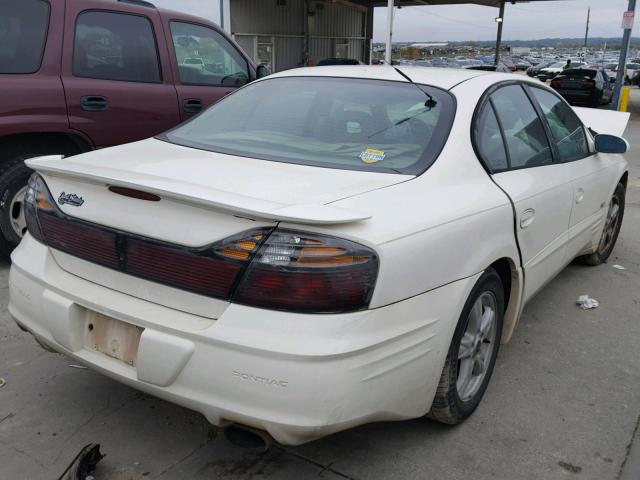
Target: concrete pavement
564, 402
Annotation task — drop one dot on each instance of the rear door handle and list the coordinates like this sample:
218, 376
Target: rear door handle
527, 217
192, 105
94, 103
579, 195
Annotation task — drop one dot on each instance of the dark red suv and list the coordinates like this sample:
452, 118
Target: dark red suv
77, 75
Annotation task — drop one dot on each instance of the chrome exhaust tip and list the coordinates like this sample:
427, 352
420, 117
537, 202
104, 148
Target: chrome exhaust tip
248, 438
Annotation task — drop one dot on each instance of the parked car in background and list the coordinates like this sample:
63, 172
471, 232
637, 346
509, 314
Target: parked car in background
500, 68
521, 64
507, 62
554, 69
420, 63
535, 70
78, 75
338, 61
580, 86
630, 71
194, 62
273, 271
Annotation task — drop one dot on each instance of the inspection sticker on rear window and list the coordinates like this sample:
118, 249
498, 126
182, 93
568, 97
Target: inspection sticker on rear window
372, 156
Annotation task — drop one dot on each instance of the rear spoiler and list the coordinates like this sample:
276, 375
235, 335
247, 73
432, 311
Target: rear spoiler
603, 121
239, 205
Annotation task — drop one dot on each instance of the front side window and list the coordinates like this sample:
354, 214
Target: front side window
115, 46
205, 57
23, 33
566, 128
527, 143
355, 124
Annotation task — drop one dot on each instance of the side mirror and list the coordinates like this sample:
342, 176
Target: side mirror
611, 144
262, 71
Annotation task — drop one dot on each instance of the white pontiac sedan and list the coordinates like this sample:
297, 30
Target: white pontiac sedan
326, 247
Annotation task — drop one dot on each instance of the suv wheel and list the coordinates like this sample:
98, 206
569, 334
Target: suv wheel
14, 176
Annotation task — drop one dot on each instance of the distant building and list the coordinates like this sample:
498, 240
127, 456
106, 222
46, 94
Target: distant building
286, 34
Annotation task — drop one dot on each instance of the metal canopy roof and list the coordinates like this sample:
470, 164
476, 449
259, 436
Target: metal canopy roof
408, 3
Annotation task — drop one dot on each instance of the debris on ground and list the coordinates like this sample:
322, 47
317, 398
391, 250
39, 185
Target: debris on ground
569, 467
586, 302
618, 267
3, 382
84, 463
81, 367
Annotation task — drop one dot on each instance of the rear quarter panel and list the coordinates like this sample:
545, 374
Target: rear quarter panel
447, 224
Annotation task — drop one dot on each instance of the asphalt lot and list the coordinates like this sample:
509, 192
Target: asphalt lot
564, 401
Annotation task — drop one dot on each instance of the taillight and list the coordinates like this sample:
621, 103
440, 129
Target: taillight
588, 84
37, 198
556, 82
265, 268
310, 273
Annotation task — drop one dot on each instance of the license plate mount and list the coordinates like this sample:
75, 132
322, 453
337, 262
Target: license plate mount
112, 337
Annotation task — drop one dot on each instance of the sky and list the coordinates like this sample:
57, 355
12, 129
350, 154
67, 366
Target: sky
526, 21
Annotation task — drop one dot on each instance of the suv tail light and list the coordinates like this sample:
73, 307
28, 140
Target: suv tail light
266, 268
587, 84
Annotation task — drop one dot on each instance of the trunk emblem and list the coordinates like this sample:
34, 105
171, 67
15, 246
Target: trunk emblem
70, 199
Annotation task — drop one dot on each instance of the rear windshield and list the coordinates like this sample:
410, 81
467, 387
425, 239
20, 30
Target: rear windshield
23, 32
331, 122
579, 72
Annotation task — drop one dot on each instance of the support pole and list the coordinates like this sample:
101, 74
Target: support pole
387, 53
499, 39
622, 62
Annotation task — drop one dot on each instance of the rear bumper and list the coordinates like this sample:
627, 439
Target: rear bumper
299, 377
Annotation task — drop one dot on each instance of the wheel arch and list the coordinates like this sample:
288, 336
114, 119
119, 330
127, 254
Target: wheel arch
513, 282
624, 179
67, 143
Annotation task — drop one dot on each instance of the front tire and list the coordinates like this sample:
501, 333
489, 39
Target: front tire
472, 354
610, 231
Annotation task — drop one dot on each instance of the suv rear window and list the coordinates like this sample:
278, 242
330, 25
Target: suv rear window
23, 34
345, 123
115, 46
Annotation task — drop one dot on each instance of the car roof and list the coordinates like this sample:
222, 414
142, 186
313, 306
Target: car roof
445, 78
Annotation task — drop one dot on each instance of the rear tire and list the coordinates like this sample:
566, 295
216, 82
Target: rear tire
472, 354
610, 231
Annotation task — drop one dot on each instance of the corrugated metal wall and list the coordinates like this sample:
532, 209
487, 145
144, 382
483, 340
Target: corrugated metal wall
330, 25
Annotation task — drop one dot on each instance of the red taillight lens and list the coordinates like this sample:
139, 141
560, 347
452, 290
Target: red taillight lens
556, 82
309, 273
588, 84
88, 242
198, 272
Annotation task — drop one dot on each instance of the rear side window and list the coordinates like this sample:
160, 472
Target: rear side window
23, 34
115, 46
207, 58
527, 143
566, 128
489, 140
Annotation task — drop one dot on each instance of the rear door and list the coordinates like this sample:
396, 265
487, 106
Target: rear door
206, 65
514, 146
116, 75
31, 93
593, 175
